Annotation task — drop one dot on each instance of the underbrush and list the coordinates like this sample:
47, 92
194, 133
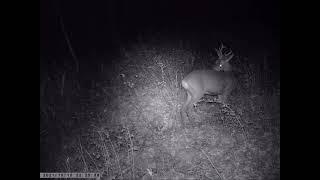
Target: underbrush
126, 123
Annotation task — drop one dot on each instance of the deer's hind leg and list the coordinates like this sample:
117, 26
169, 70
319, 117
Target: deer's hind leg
192, 98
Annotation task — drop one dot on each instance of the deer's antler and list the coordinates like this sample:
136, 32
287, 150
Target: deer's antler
224, 56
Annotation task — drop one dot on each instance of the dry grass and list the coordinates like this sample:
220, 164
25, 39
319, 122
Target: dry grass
127, 125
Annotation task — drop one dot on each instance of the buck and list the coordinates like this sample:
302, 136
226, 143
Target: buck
218, 81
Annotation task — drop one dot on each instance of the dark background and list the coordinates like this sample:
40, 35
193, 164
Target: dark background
104, 26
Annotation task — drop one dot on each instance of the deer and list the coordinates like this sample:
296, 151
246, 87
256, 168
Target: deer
216, 81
